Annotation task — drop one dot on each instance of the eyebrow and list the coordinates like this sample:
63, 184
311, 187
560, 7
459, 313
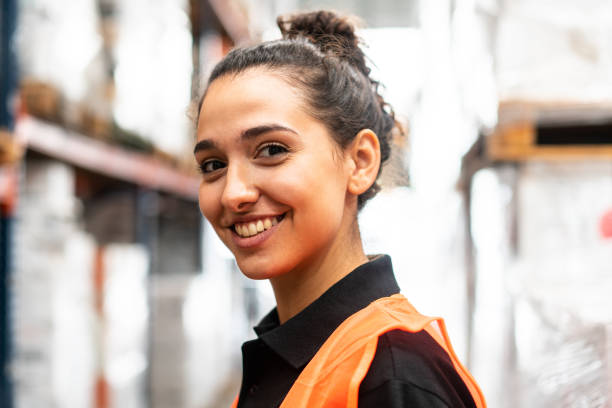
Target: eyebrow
248, 134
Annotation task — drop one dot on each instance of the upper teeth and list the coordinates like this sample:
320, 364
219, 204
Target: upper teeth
251, 228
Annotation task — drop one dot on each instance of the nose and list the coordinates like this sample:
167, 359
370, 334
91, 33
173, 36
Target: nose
239, 192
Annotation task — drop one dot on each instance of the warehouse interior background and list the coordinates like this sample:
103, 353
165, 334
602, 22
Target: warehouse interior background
496, 211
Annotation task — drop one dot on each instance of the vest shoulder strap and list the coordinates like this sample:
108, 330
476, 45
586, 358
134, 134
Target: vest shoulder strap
333, 376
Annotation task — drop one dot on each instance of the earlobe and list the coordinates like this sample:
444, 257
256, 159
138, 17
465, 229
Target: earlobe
365, 156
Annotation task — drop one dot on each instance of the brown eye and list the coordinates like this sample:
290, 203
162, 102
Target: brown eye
211, 165
272, 149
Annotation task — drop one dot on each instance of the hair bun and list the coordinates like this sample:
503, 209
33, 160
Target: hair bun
333, 34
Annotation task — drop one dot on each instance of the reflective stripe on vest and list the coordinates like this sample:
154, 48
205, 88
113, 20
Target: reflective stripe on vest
333, 376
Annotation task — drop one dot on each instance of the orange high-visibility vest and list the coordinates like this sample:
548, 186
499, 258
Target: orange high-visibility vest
333, 376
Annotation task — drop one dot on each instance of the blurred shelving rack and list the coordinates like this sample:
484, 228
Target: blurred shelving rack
8, 155
541, 131
230, 19
531, 131
125, 196
106, 159
161, 196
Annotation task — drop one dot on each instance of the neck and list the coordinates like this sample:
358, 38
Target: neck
300, 287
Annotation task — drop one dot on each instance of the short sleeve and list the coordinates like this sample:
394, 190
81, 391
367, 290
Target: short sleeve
412, 370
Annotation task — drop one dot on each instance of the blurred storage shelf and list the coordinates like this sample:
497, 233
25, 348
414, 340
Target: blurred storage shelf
551, 131
233, 19
94, 155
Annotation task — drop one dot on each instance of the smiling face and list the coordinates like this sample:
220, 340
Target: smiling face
274, 186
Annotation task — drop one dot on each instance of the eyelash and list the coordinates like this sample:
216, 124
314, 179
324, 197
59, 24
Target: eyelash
203, 165
269, 145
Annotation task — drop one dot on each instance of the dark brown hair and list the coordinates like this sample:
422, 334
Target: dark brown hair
320, 55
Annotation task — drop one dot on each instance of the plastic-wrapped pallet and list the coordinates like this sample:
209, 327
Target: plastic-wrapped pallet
124, 347
492, 337
563, 334
168, 354
53, 361
562, 285
544, 314
554, 50
59, 44
154, 46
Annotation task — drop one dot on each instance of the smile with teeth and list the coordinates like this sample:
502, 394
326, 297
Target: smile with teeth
249, 229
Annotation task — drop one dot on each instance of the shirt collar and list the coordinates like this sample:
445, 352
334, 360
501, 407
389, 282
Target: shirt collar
299, 338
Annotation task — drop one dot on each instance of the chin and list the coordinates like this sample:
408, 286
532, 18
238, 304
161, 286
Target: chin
257, 268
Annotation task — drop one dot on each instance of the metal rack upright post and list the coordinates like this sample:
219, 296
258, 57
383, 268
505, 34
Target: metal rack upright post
8, 84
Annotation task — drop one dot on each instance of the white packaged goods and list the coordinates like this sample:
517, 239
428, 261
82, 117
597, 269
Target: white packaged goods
563, 309
72, 48
544, 312
153, 42
492, 336
563, 335
48, 194
53, 314
59, 43
125, 324
73, 345
168, 355
560, 208
555, 50
193, 329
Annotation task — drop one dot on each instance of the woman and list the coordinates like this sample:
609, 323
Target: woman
290, 140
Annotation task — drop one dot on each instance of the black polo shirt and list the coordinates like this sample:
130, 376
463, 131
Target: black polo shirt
408, 370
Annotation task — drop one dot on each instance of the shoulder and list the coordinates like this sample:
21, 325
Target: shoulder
413, 366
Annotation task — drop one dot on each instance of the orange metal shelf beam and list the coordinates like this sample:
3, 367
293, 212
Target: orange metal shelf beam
99, 157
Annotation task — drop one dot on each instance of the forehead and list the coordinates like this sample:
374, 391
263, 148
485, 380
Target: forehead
254, 95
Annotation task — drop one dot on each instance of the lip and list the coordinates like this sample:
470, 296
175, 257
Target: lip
256, 240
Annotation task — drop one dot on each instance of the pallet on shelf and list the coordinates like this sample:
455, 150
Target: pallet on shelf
10, 149
41, 99
547, 131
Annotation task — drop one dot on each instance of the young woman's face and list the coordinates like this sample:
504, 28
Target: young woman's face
273, 186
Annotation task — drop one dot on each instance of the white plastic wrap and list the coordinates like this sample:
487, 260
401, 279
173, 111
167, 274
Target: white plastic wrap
59, 43
125, 324
555, 50
544, 313
492, 337
153, 73
54, 349
563, 334
560, 209
562, 285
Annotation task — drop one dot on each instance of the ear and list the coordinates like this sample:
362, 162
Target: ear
364, 156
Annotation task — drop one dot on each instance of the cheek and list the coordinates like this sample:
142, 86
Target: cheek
209, 202
313, 187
